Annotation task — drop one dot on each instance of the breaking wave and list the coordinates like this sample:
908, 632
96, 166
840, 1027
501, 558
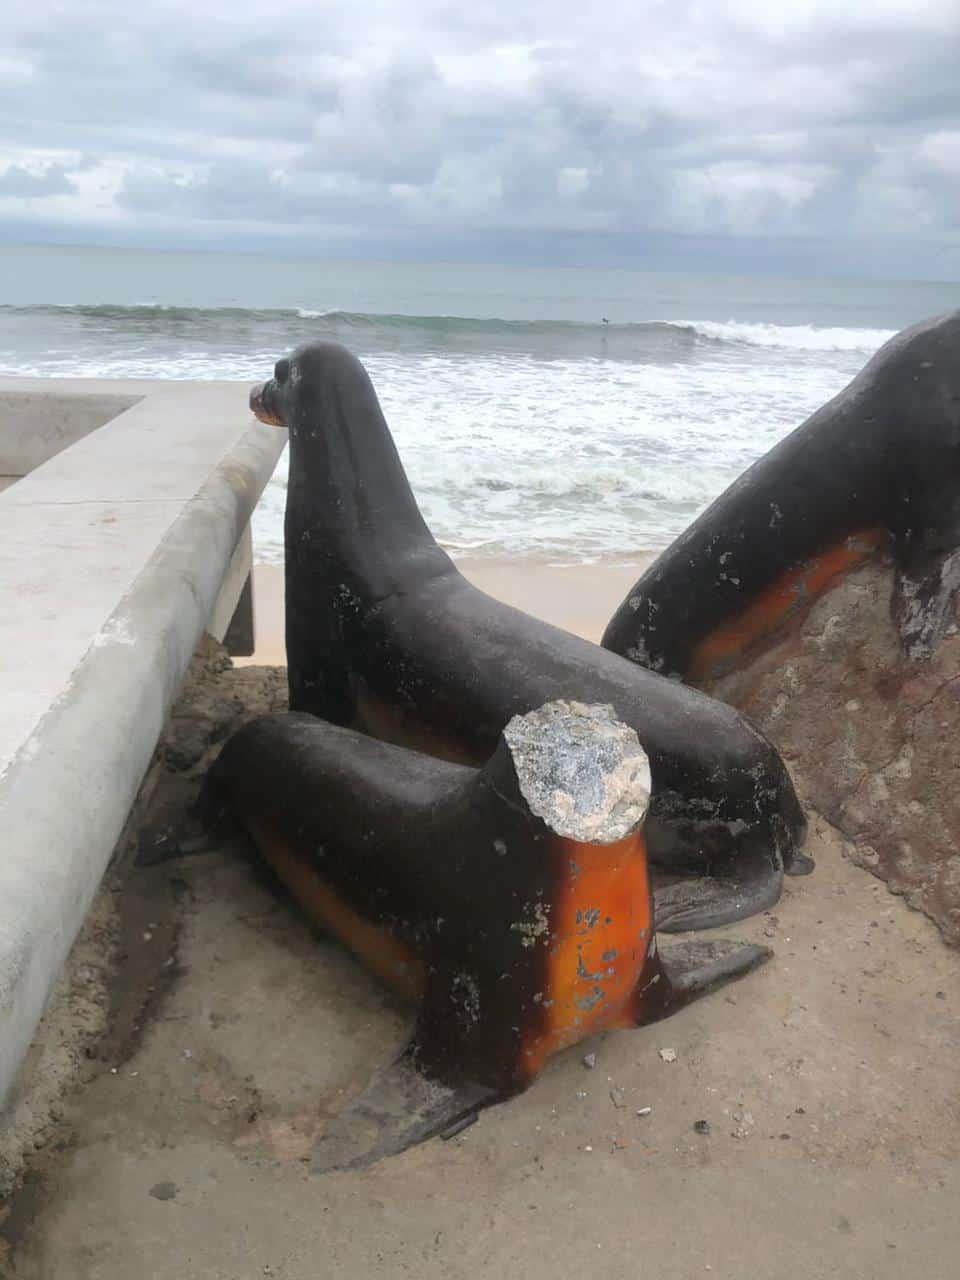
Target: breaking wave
657, 339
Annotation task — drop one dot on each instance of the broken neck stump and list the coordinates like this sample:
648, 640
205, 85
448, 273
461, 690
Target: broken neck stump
513, 902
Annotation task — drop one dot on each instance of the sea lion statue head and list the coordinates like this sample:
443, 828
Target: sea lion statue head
318, 378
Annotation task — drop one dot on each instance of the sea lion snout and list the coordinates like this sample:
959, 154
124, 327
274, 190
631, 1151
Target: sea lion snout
264, 403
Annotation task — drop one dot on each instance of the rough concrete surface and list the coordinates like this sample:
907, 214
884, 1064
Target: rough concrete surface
580, 769
806, 1123
874, 736
113, 556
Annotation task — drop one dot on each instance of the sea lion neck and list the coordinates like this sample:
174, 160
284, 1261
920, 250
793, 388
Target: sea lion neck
349, 503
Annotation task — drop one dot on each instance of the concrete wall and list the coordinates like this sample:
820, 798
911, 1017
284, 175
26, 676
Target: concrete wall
113, 554
37, 425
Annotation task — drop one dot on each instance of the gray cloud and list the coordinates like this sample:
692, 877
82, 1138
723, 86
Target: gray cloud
25, 184
797, 120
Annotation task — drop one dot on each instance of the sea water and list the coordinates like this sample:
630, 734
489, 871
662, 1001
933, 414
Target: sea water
574, 413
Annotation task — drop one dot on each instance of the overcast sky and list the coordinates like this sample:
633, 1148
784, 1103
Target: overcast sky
774, 129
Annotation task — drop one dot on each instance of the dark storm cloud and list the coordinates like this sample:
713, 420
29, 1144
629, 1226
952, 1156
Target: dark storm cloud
748, 119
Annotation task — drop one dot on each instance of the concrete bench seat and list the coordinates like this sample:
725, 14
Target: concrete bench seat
124, 534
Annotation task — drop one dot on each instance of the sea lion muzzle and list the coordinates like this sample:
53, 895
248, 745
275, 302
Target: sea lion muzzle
264, 404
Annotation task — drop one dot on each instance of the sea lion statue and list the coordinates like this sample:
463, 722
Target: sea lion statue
384, 635
821, 595
875, 472
513, 902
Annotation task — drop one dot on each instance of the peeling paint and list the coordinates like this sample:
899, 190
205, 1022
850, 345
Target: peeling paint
531, 930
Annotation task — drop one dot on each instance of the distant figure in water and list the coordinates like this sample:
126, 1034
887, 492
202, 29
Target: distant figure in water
605, 320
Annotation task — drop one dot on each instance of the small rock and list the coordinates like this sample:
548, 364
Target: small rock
188, 1053
616, 1097
668, 1055
582, 1093
644, 1111
588, 1148
701, 1126
589, 1061
164, 1190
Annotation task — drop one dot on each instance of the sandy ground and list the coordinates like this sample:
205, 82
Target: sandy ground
828, 1080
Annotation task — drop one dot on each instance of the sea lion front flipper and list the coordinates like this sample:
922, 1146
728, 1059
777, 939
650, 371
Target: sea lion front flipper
400, 1107
924, 594
695, 967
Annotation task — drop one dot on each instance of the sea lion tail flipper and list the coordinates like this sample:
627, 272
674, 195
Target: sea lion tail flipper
695, 967
923, 601
400, 1107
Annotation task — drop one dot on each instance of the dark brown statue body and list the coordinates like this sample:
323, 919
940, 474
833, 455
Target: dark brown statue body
385, 636
874, 473
512, 902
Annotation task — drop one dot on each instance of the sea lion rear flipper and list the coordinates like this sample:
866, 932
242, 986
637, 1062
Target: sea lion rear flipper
923, 601
399, 1108
747, 885
695, 967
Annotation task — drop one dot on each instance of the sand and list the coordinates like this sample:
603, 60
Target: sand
827, 1080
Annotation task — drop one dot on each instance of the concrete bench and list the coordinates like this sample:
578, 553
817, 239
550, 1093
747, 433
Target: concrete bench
124, 535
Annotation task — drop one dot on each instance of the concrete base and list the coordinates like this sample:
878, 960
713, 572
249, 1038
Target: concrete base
113, 554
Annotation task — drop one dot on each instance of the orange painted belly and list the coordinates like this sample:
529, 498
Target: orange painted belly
715, 655
601, 934
382, 952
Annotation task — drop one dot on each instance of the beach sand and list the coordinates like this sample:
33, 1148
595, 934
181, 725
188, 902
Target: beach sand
803, 1124
580, 598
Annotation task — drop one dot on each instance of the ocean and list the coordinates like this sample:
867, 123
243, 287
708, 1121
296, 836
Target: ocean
570, 413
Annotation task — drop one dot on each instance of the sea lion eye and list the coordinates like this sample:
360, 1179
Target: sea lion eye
281, 371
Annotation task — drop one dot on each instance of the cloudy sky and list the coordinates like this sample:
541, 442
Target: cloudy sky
767, 130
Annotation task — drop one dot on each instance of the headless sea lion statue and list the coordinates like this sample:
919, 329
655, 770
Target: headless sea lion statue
384, 635
819, 594
876, 472
513, 902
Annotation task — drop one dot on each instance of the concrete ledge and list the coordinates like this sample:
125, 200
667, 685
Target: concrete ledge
112, 559
38, 424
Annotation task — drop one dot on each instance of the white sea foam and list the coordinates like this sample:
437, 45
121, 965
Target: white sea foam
575, 459
798, 337
562, 438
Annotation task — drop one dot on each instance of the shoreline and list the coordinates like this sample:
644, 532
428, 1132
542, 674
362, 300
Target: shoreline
580, 598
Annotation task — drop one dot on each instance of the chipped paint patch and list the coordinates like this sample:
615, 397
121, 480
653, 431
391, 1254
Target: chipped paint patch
531, 930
